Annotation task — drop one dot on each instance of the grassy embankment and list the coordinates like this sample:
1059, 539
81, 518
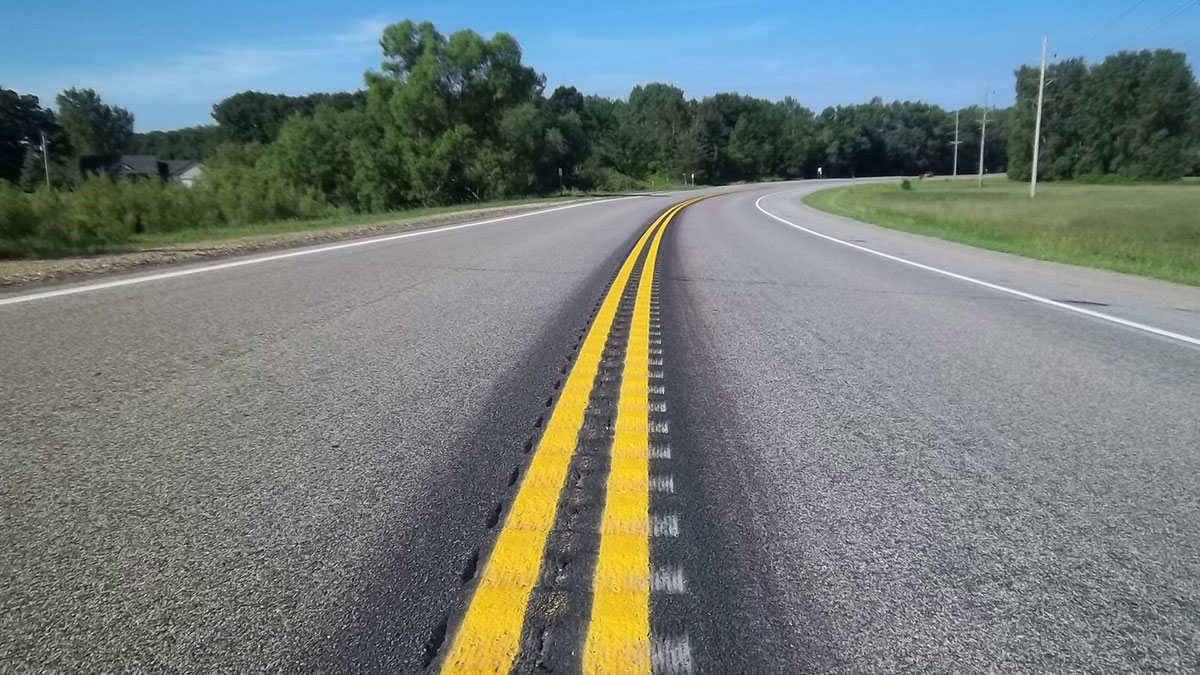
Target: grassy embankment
208, 234
1147, 229
39, 246
211, 234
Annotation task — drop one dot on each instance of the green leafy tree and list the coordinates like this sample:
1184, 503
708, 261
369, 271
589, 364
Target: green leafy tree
716, 116
188, 143
1064, 121
450, 97
94, 127
660, 116
22, 123
257, 117
1132, 115
1140, 114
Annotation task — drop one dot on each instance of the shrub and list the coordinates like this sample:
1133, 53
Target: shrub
606, 179
17, 218
906, 184
100, 212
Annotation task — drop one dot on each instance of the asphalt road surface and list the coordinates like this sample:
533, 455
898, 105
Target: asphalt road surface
796, 444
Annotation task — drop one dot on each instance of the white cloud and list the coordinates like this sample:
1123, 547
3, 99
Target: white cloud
365, 32
207, 73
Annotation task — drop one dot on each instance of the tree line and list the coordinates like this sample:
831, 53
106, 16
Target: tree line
462, 118
1135, 115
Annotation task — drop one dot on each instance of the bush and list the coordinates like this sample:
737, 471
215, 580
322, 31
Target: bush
17, 218
239, 189
100, 212
605, 179
906, 184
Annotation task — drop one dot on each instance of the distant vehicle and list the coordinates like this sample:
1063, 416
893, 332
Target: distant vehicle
927, 174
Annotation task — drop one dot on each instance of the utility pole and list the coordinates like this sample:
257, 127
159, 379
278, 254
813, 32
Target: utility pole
1037, 127
45, 159
983, 132
956, 143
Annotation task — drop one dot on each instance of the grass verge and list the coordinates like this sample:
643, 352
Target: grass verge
1151, 230
212, 234
199, 244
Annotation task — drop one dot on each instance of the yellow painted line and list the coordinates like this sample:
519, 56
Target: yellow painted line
618, 634
488, 638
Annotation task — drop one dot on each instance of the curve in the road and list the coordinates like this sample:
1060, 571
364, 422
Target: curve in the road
1161, 332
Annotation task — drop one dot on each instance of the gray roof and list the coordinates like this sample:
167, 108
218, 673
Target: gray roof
137, 164
177, 167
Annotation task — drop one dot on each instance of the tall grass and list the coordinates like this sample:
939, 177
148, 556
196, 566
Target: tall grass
1151, 230
101, 214
235, 200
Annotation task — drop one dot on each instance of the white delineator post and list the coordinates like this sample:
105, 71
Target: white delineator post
1037, 126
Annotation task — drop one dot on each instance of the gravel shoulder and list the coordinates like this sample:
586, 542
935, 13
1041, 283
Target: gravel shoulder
22, 273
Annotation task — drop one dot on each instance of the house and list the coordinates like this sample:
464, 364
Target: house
143, 167
185, 171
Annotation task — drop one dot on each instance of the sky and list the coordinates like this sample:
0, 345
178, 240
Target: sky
168, 62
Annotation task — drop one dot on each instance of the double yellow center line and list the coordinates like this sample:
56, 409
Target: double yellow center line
618, 632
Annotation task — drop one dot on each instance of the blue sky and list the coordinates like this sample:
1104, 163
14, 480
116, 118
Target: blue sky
169, 62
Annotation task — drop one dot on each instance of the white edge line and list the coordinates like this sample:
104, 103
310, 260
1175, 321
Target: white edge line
996, 287
98, 286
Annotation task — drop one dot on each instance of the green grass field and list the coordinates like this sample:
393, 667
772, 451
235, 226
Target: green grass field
1151, 230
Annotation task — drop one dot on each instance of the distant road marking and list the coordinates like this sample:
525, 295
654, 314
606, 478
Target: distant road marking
618, 632
668, 580
102, 285
671, 656
664, 484
979, 282
488, 638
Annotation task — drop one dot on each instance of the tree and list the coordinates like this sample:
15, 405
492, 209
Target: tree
660, 117
1064, 121
1140, 114
754, 142
21, 119
450, 97
716, 117
1133, 115
94, 127
188, 143
257, 117
22, 123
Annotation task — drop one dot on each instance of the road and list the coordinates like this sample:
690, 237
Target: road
786, 454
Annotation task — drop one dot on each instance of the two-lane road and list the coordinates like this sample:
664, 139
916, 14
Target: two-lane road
782, 454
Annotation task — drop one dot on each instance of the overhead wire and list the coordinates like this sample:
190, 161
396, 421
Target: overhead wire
1157, 25
1108, 25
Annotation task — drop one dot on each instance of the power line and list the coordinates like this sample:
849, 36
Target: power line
1068, 18
1110, 24
1154, 27
1188, 44
1186, 38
